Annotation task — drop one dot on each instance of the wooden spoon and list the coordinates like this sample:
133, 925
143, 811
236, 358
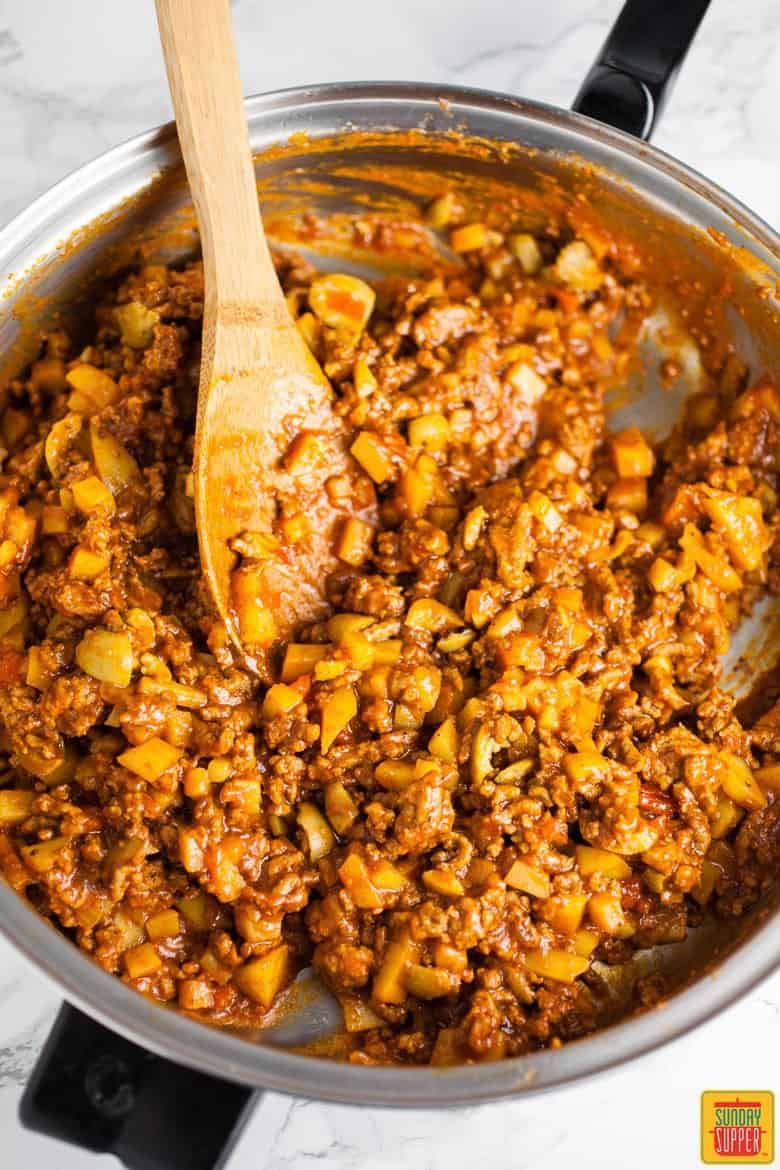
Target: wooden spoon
266, 437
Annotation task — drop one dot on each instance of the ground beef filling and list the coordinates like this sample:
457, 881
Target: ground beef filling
500, 767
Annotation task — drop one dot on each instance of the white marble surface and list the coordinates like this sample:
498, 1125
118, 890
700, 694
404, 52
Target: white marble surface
77, 77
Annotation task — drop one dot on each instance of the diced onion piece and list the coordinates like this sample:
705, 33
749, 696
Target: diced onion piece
342, 302
318, 833
372, 456
59, 440
106, 656
727, 816
337, 710
93, 385
262, 979
529, 879
136, 324
709, 876
16, 804
115, 465
592, 860
632, 457
150, 759
527, 253
200, 911
740, 784
561, 966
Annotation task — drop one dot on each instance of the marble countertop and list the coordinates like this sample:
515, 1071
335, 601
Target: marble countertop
77, 78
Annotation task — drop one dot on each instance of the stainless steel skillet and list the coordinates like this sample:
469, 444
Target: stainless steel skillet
104, 1089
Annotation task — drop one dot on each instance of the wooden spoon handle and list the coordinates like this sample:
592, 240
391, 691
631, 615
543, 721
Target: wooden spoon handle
202, 65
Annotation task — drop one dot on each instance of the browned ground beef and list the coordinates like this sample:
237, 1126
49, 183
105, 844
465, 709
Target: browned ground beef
504, 757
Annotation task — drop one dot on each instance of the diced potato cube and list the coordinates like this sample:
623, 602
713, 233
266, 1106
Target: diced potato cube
44, 855
523, 378
54, 520
295, 528
395, 774
606, 912
15, 806
444, 742
564, 912
526, 251
740, 521
301, 658
353, 545
358, 1016
628, 495
318, 833
196, 783
328, 668
340, 808
428, 614
386, 876
262, 979
430, 982
473, 236
387, 653
431, 431
443, 882
585, 767
200, 911
365, 382
342, 302
150, 759
768, 777
136, 324
85, 565
166, 924
389, 985
107, 656
195, 995
337, 711
529, 879
115, 465
561, 966
141, 961
585, 941
355, 877
342, 624
592, 860
577, 266
372, 456
739, 782
255, 620
727, 816
632, 457
279, 699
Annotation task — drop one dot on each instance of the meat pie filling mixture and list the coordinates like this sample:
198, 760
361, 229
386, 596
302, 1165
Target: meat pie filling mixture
499, 768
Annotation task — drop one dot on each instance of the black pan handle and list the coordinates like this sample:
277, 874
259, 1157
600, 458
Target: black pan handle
96, 1090
635, 70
